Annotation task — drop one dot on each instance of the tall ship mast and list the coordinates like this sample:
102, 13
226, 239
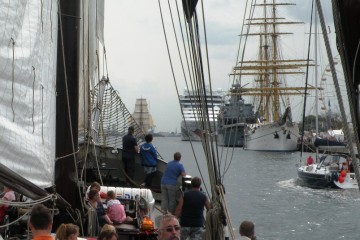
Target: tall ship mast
142, 115
265, 81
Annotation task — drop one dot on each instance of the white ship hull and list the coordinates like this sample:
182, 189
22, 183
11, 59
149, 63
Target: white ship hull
270, 137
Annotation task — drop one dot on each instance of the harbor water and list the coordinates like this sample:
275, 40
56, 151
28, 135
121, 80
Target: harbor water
263, 187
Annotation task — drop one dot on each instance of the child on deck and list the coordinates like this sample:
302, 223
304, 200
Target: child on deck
115, 210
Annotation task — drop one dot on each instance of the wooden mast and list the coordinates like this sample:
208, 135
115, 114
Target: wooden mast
270, 70
67, 87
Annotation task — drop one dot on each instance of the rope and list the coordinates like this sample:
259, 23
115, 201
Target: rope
26, 205
199, 106
65, 156
16, 220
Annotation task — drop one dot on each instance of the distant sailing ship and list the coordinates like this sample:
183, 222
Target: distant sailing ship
265, 79
191, 103
142, 116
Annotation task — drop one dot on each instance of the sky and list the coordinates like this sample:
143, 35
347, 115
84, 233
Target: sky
138, 63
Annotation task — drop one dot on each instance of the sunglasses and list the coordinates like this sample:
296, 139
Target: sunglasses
170, 228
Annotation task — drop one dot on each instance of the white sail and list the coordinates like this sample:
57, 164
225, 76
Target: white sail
28, 51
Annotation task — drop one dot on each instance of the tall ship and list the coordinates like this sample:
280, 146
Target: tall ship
142, 116
191, 104
268, 80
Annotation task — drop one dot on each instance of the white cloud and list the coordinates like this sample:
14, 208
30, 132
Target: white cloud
138, 62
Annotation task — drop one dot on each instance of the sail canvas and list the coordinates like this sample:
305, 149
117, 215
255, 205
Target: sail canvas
28, 44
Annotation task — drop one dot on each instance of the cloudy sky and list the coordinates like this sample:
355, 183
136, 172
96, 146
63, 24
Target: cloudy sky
138, 62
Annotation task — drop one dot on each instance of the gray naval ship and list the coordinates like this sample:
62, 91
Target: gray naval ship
234, 117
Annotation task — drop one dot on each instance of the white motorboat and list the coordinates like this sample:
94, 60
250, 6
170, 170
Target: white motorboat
332, 171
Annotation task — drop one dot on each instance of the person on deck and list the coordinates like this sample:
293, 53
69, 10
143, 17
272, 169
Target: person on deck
115, 210
9, 195
247, 231
107, 235
148, 159
130, 148
40, 223
95, 185
67, 231
190, 210
96, 204
173, 170
169, 228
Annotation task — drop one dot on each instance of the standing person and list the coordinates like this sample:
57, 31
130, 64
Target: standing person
130, 148
148, 159
67, 232
169, 228
40, 223
9, 195
191, 211
173, 170
247, 230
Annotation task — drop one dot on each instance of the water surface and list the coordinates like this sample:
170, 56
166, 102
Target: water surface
262, 187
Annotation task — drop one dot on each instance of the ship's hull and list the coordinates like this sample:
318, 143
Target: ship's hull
314, 179
270, 137
320, 177
231, 135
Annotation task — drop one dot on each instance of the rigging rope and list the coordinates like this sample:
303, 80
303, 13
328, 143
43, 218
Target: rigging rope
200, 109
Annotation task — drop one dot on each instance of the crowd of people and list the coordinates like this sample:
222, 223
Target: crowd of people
169, 228
182, 212
41, 221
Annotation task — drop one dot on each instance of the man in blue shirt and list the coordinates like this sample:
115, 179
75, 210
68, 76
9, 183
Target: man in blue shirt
174, 169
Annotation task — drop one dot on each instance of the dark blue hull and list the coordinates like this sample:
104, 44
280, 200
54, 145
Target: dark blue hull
314, 180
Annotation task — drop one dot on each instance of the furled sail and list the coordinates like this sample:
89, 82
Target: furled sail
92, 43
28, 48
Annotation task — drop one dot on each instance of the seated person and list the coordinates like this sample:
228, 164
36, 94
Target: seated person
95, 203
9, 195
115, 210
107, 235
94, 186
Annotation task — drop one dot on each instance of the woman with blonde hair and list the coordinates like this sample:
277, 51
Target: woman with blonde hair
67, 232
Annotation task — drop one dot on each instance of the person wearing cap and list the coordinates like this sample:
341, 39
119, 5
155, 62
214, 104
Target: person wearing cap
130, 148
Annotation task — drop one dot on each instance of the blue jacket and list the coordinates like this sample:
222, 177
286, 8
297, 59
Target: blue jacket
148, 155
